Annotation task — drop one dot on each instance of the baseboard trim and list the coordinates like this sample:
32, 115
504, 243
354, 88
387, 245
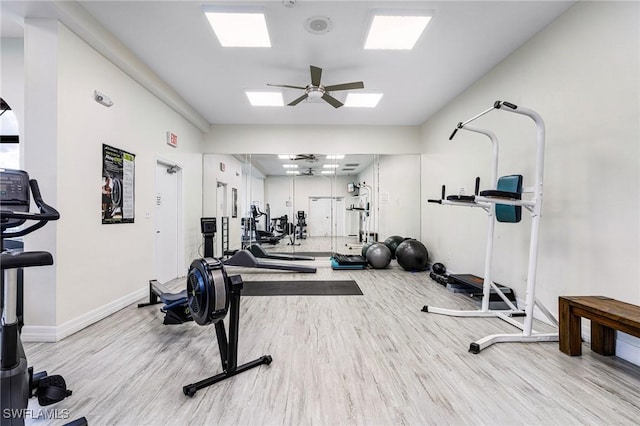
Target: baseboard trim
31, 333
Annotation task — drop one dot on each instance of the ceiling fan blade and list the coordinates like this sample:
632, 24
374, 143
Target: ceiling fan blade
286, 85
333, 101
345, 86
316, 74
297, 101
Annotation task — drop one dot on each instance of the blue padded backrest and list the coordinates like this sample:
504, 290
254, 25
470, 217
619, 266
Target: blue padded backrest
506, 213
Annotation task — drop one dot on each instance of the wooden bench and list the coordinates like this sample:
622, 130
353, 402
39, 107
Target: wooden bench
607, 315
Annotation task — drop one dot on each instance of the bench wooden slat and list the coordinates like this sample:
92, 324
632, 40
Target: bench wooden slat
606, 315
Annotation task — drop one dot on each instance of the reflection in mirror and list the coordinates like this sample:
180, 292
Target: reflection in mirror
308, 198
9, 139
288, 205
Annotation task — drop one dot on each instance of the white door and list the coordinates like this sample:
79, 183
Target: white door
166, 223
319, 221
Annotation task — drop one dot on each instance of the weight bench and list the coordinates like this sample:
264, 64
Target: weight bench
607, 315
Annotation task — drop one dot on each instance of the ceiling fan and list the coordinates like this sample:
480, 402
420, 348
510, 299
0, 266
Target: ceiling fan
316, 90
308, 172
311, 158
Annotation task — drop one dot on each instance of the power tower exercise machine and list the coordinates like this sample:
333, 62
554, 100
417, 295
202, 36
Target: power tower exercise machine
509, 200
18, 381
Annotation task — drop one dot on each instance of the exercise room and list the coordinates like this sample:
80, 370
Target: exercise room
296, 212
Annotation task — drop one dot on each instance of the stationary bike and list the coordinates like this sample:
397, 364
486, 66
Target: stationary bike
18, 381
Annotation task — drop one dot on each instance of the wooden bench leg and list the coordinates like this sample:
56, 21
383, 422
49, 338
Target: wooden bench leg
569, 330
603, 339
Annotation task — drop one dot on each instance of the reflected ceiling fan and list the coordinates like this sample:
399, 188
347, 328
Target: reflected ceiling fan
316, 90
309, 172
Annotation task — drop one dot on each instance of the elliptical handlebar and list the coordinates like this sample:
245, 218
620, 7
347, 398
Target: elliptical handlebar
46, 214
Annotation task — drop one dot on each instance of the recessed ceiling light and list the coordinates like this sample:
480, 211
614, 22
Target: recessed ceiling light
395, 32
290, 166
330, 166
327, 172
239, 27
293, 172
265, 98
335, 156
362, 100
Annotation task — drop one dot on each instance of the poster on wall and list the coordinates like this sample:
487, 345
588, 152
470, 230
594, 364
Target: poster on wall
118, 171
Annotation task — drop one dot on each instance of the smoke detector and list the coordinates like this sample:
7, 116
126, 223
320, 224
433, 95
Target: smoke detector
318, 24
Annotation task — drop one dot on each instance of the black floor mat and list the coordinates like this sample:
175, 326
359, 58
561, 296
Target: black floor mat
301, 288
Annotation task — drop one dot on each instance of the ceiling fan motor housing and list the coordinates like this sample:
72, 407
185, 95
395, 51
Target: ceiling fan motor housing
315, 92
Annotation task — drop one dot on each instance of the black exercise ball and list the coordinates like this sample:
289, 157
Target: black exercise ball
412, 255
438, 268
378, 256
392, 242
365, 248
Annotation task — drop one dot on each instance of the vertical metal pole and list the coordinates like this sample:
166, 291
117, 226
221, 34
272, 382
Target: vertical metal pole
535, 221
488, 257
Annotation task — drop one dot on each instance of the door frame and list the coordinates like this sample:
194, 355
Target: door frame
181, 266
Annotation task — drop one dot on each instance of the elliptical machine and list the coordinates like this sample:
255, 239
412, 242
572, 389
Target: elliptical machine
18, 381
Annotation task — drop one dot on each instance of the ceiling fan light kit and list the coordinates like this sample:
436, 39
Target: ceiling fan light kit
315, 90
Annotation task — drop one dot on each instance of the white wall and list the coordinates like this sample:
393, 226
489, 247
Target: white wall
399, 197
396, 195
581, 74
99, 268
278, 139
232, 175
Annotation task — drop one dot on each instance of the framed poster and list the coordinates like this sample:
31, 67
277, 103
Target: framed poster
234, 197
118, 172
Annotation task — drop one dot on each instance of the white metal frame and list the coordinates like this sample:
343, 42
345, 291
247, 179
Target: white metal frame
534, 206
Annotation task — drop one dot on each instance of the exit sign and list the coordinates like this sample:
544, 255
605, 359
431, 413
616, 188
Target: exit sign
172, 139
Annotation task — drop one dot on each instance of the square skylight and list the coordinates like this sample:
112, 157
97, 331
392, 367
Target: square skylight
327, 172
239, 28
335, 156
293, 172
330, 166
265, 98
362, 100
290, 166
395, 31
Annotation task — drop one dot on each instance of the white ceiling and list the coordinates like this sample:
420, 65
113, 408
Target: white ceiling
464, 40
271, 165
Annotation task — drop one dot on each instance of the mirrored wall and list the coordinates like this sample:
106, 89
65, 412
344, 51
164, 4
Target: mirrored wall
311, 204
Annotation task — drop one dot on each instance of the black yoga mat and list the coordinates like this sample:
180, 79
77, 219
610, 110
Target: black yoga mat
301, 288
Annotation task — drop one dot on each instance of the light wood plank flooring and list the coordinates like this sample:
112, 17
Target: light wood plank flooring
343, 360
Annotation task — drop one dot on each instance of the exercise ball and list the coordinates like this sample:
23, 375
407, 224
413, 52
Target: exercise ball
365, 248
412, 255
392, 243
378, 256
438, 268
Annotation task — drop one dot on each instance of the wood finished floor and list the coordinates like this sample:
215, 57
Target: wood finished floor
343, 360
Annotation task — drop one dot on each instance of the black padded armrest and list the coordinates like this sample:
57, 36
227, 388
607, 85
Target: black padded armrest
501, 194
462, 198
25, 259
